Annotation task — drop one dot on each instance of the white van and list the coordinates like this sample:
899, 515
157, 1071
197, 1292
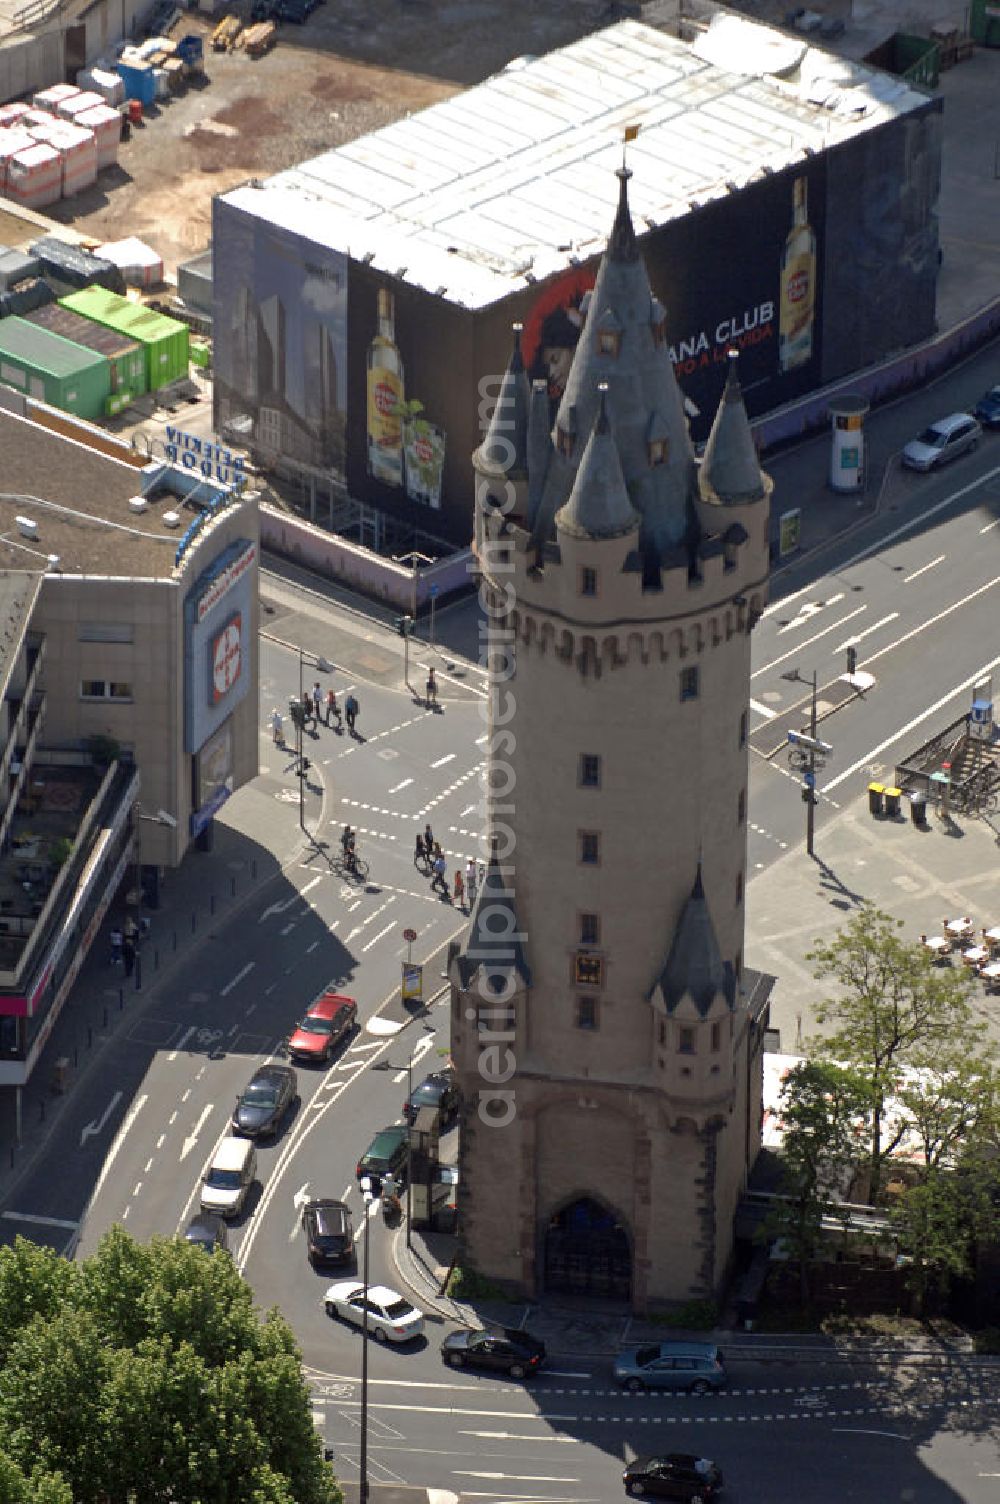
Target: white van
229, 1177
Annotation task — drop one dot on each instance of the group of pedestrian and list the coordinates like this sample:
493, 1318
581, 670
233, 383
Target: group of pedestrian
317, 708
428, 855
124, 943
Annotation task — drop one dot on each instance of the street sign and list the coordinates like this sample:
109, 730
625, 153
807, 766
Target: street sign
809, 779
409, 936
413, 982
432, 592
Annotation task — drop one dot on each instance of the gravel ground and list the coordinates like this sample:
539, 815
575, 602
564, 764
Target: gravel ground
354, 66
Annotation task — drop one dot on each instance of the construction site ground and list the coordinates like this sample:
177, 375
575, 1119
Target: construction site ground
354, 66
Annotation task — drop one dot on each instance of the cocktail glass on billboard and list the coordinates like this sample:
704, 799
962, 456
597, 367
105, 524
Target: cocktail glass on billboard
423, 449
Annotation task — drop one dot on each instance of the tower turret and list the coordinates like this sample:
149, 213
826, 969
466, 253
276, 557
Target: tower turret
501, 461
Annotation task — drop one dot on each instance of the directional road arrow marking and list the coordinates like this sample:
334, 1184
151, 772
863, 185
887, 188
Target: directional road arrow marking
301, 1196
279, 908
192, 1138
423, 1044
97, 1125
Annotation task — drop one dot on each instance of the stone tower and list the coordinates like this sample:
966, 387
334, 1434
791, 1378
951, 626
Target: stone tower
607, 1042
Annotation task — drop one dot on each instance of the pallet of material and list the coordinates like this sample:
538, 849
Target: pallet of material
259, 39
225, 35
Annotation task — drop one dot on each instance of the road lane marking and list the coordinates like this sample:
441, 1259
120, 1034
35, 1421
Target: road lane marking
376, 938
808, 641
116, 1144
924, 567
181, 1042
400, 786
160, 1140
173, 1118
911, 725
399, 1078
41, 1221
932, 620
138, 1188
769, 715
192, 1137
97, 1125
448, 757
860, 636
989, 527
808, 611
513, 1477
309, 886
245, 972
573, 1441
149, 1164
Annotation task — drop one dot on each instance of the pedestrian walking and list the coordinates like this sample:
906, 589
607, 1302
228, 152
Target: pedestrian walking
351, 709
307, 708
131, 930
419, 854
317, 701
459, 889
117, 941
438, 880
276, 728
470, 882
432, 689
128, 956
429, 839
332, 708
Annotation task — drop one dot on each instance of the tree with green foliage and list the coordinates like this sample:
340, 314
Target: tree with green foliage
893, 1006
146, 1373
823, 1114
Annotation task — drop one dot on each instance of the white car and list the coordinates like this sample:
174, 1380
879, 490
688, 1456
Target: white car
943, 441
390, 1317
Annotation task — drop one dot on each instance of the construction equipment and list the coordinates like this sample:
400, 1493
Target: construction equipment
226, 34
259, 39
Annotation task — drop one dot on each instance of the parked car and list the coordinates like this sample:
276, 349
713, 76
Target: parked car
677, 1475
945, 440
987, 409
328, 1230
265, 1101
436, 1090
695, 1366
329, 1020
387, 1154
516, 1353
207, 1231
390, 1317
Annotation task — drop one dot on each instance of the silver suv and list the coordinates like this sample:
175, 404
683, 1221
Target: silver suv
943, 441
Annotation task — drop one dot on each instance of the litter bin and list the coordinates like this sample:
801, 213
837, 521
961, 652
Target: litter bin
892, 801
918, 808
876, 792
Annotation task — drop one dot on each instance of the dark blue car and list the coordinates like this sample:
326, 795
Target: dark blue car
987, 409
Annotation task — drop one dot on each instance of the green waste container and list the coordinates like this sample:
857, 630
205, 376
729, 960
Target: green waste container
876, 793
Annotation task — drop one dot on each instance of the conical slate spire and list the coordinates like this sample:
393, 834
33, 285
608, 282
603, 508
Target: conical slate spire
598, 505
505, 448
695, 966
730, 471
622, 245
539, 446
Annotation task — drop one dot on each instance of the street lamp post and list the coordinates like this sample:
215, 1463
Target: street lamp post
794, 677
367, 1200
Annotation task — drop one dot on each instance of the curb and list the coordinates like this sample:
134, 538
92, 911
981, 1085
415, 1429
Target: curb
440, 1305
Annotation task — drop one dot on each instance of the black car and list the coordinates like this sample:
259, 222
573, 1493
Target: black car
677, 1475
987, 409
207, 1231
387, 1154
436, 1090
266, 1099
516, 1353
329, 1234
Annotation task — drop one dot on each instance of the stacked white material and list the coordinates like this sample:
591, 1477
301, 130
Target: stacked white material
139, 264
12, 140
34, 176
102, 81
153, 45
55, 95
106, 125
38, 118
70, 108
77, 148
9, 113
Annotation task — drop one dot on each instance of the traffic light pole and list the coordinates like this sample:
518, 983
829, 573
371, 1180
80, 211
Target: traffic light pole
811, 806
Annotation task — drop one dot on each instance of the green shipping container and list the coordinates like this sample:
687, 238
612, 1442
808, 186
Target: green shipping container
127, 356
52, 369
164, 340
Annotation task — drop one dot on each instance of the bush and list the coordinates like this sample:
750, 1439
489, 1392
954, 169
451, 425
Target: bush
466, 1283
988, 1340
692, 1316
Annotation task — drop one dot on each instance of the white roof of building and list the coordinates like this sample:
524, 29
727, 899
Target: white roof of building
513, 180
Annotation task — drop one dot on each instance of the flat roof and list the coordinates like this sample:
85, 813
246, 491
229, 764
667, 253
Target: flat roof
513, 180
45, 351
77, 496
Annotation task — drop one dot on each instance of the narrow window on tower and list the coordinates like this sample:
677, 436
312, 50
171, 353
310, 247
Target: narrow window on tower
739, 888
590, 847
741, 808
716, 1038
663, 1033
590, 929
743, 729
586, 1013
685, 1040
588, 581
590, 771
589, 969
689, 684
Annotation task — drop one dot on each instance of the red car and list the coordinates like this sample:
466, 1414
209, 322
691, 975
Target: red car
329, 1020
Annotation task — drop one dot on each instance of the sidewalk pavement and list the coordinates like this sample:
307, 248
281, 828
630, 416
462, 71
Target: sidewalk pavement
257, 836
951, 868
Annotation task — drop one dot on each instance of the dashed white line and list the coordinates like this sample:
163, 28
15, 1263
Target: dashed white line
860, 636
237, 979
923, 569
376, 938
181, 1043
765, 667
400, 786
756, 706
989, 526
448, 757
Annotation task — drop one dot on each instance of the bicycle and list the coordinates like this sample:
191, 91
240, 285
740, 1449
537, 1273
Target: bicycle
351, 865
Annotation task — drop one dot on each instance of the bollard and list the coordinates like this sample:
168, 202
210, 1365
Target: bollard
211, 903
175, 939
121, 999
41, 1111
253, 867
105, 1018
232, 887
194, 922
76, 1054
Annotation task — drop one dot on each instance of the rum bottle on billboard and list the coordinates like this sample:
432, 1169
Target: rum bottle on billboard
385, 397
798, 286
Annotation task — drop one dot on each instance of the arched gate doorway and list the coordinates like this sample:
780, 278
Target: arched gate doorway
587, 1252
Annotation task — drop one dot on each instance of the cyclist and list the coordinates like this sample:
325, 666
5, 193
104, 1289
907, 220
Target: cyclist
432, 689
348, 844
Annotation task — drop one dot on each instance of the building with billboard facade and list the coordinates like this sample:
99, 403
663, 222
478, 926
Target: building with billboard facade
417, 247
129, 673
607, 1037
